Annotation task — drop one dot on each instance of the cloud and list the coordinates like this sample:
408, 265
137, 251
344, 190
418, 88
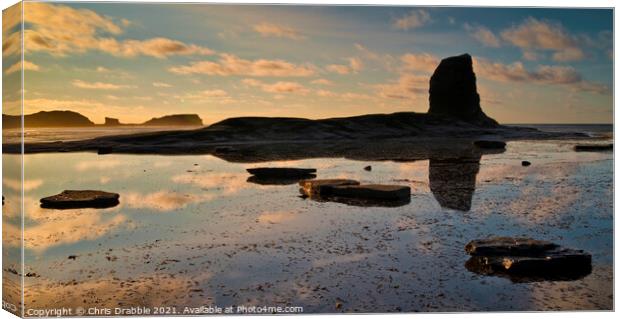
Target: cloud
408, 86
415, 19
266, 29
61, 30
343, 96
322, 82
543, 74
230, 64
214, 93
423, 62
156, 47
98, 85
355, 65
161, 85
18, 66
278, 87
483, 35
534, 34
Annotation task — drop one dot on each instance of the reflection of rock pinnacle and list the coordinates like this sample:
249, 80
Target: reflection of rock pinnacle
453, 181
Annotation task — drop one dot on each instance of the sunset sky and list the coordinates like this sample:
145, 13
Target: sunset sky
137, 61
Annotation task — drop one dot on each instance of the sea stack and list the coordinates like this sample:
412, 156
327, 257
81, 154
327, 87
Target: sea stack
453, 92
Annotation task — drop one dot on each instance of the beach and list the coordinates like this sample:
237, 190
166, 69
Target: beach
194, 230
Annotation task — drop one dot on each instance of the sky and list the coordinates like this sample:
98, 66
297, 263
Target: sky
135, 61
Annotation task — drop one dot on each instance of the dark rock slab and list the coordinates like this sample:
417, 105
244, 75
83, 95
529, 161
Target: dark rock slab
350, 192
527, 260
490, 144
281, 172
69, 199
372, 191
323, 186
503, 246
594, 147
453, 92
277, 180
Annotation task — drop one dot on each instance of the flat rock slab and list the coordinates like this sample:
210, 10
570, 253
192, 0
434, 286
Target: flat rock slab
372, 191
526, 260
594, 147
490, 144
351, 192
281, 172
323, 186
277, 180
69, 199
508, 246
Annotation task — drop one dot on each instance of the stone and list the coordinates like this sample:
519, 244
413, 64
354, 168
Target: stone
372, 191
109, 121
281, 172
490, 144
502, 246
277, 180
350, 192
104, 150
593, 147
526, 163
69, 199
323, 186
453, 92
527, 260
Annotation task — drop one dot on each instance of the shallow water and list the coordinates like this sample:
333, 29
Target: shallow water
192, 231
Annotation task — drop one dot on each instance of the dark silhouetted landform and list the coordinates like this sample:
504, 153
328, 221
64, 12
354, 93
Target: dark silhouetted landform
175, 120
74, 119
47, 119
454, 122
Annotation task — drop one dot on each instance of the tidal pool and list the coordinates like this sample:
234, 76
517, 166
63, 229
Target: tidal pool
193, 231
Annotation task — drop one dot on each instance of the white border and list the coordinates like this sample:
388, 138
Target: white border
488, 3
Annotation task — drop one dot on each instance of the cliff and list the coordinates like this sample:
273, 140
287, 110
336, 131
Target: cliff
175, 120
47, 119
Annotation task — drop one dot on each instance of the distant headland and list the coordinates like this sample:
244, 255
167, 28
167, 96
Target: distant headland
74, 119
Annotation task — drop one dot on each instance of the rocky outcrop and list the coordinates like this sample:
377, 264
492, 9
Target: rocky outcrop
281, 172
490, 144
175, 120
323, 186
594, 147
69, 199
47, 119
351, 192
453, 92
109, 121
526, 259
372, 191
279, 175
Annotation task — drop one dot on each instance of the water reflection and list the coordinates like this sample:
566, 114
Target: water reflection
453, 181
